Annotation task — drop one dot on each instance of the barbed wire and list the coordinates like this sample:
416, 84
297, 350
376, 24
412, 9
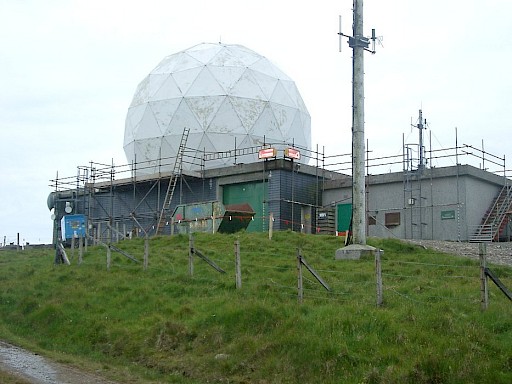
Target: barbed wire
342, 288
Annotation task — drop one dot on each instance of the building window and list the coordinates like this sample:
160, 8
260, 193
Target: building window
392, 219
372, 220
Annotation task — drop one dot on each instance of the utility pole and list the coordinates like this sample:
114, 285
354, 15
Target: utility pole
359, 43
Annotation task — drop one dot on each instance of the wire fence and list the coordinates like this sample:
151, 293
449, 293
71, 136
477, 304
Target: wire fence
423, 281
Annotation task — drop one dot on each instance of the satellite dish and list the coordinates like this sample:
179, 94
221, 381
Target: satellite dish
53, 216
68, 208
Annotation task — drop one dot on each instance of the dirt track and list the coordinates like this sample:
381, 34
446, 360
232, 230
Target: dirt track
35, 369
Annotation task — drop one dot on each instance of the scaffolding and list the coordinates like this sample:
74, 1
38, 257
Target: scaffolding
92, 188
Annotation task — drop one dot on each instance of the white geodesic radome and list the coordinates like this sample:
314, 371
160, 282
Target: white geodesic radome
226, 95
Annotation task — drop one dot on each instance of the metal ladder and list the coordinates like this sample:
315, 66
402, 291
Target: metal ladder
172, 181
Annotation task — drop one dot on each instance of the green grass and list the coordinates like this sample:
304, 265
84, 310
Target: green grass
163, 325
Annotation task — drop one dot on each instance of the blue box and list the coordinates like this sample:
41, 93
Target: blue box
73, 226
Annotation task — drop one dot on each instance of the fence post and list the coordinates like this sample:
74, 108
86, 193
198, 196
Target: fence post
109, 257
146, 251
378, 273
238, 267
73, 239
98, 234
270, 225
190, 254
80, 249
299, 277
484, 289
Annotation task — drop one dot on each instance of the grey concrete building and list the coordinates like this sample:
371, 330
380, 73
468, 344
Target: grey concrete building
456, 203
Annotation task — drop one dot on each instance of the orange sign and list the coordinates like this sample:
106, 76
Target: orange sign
267, 153
292, 153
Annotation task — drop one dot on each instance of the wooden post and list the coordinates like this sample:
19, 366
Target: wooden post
190, 254
117, 231
484, 289
238, 267
270, 225
86, 240
124, 231
98, 234
172, 226
73, 246
109, 257
146, 251
378, 273
299, 277
80, 249
18, 242
213, 223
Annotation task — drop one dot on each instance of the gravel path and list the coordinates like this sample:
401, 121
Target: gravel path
497, 253
35, 369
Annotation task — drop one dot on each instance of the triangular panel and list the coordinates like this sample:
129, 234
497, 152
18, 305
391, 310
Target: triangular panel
281, 96
247, 86
266, 67
133, 118
265, 125
205, 108
248, 110
266, 83
185, 62
204, 52
147, 150
164, 110
294, 128
291, 89
169, 151
205, 84
141, 93
243, 55
226, 76
225, 57
183, 118
155, 83
283, 117
129, 151
168, 90
148, 126
167, 65
185, 78
226, 120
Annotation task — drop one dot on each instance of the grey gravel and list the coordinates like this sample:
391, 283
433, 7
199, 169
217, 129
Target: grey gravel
497, 253
36, 369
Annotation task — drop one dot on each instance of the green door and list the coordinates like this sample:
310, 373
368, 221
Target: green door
344, 215
251, 193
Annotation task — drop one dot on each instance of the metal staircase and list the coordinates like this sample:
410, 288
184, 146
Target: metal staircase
176, 172
495, 219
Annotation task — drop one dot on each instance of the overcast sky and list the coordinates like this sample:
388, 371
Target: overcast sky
69, 70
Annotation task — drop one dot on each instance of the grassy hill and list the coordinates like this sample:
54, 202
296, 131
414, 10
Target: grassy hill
164, 325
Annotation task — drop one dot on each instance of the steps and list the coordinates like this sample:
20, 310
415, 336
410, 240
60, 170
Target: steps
496, 218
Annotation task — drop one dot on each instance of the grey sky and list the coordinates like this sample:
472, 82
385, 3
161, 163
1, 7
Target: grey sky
69, 70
